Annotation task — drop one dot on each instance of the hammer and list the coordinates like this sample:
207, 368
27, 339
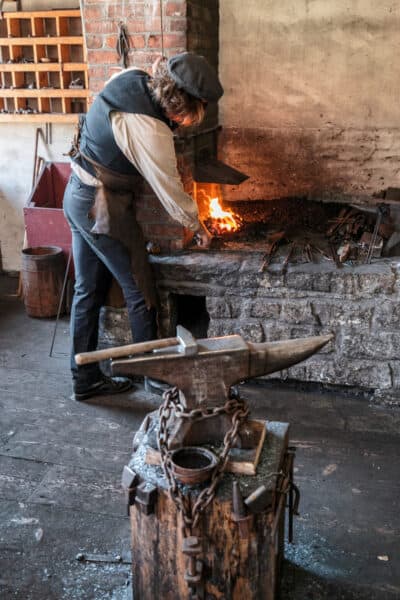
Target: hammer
184, 343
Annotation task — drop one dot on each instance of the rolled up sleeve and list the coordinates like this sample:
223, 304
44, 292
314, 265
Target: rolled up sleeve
149, 145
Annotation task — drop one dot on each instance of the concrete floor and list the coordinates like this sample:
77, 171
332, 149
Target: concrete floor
61, 463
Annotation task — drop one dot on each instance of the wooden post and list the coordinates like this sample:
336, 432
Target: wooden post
236, 566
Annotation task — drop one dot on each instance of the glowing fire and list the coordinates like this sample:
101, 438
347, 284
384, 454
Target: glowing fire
223, 220
218, 220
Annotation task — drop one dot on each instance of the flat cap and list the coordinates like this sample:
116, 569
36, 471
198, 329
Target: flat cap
196, 76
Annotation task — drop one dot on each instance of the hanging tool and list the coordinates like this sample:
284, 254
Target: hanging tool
382, 211
37, 160
123, 44
334, 255
289, 255
308, 252
272, 244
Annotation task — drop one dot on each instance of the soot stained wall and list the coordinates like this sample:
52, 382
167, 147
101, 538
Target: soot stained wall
311, 96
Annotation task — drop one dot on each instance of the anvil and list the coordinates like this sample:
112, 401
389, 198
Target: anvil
204, 370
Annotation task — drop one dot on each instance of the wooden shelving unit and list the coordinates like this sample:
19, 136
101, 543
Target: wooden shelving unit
43, 68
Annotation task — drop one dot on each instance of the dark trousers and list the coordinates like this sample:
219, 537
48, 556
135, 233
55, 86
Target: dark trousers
96, 259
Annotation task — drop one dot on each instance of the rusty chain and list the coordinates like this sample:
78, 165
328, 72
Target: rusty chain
191, 512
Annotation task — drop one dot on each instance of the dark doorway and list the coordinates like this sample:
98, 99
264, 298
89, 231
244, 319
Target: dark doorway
191, 313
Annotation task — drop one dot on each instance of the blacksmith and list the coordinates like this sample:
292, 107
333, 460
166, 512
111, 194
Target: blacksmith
127, 135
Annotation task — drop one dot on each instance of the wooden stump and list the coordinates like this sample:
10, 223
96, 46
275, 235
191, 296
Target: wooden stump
235, 566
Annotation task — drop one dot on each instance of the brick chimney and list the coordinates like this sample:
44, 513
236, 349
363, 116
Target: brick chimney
154, 27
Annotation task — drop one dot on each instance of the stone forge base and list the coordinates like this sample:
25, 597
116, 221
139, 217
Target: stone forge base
234, 567
221, 293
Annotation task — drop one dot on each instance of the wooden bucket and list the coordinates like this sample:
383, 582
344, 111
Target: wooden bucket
42, 271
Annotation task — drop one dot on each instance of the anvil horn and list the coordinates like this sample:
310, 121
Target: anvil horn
269, 357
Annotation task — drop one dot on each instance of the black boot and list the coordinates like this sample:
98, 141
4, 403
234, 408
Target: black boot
106, 386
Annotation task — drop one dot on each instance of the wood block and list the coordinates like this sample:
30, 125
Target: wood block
242, 461
236, 566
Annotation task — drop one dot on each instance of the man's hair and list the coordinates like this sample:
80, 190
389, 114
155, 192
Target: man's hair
174, 101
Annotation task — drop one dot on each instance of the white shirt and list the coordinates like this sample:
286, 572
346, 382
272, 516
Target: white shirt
148, 144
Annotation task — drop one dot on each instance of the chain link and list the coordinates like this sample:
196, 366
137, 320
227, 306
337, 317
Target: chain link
191, 511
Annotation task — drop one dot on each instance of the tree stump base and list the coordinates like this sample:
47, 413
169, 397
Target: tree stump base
240, 558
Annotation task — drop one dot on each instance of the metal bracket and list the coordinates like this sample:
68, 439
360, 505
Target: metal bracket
382, 211
129, 482
239, 512
258, 500
293, 494
146, 494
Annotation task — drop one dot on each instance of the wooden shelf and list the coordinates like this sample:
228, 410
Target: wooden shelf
27, 41
42, 93
39, 118
42, 41
43, 14
33, 67
74, 67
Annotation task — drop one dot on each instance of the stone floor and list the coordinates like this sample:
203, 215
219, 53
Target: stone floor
61, 463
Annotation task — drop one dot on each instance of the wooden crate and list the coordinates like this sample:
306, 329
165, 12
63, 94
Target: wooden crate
42, 54
45, 223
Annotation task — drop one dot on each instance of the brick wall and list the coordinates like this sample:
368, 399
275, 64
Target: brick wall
203, 38
143, 24
185, 25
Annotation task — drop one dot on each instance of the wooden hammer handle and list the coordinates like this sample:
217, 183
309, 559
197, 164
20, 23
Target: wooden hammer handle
119, 351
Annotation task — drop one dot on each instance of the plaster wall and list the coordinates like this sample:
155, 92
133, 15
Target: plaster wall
17, 143
311, 95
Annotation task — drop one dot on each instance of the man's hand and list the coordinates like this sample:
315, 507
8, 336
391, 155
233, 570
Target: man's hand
203, 237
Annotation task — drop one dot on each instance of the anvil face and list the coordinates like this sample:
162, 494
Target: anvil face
203, 378
211, 366
206, 371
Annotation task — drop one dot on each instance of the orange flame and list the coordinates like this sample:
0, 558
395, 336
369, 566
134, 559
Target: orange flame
218, 220
226, 220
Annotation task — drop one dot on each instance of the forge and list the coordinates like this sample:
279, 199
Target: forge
287, 268
301, 229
